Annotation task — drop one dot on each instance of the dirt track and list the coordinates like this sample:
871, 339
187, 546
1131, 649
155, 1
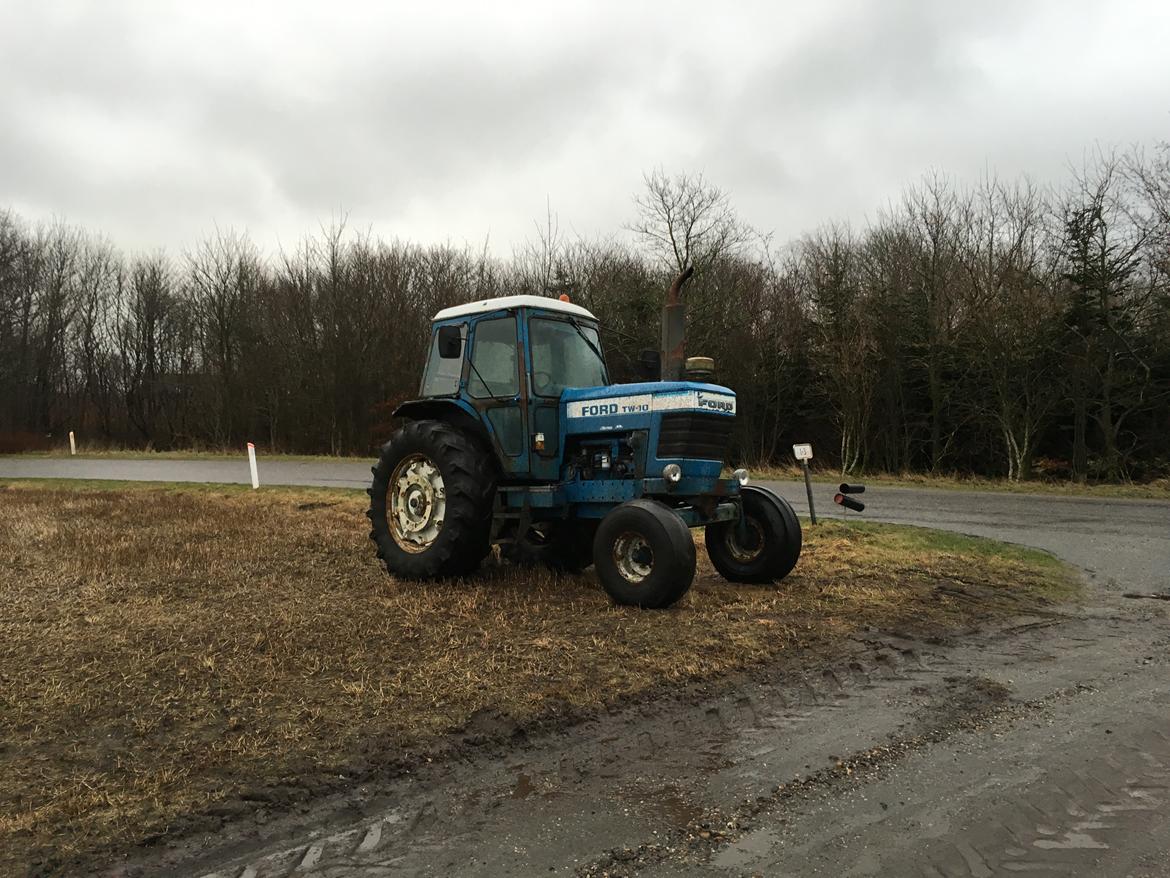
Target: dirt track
1039, 748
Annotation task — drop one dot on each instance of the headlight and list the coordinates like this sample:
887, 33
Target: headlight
741, 476
672, 472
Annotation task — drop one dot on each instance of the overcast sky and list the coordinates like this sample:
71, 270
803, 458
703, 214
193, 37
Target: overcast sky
155, 121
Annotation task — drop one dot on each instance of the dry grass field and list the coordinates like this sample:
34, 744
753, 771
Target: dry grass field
174, 656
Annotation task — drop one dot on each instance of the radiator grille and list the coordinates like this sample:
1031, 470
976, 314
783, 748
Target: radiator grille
694, 435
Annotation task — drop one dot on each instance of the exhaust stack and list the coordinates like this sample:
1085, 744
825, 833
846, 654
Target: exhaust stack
674, 330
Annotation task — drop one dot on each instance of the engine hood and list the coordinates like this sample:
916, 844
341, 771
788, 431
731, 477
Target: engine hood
629, 406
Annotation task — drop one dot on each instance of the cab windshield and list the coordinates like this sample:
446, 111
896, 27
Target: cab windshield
562, 356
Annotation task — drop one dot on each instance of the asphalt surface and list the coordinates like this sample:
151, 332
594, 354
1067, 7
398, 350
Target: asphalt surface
1042, 747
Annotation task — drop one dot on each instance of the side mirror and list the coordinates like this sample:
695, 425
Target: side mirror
650, 364
450, 342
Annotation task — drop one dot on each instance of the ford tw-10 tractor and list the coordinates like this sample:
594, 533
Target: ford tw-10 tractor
518, 439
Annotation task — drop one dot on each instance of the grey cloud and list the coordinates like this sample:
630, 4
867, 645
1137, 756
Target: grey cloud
153, 124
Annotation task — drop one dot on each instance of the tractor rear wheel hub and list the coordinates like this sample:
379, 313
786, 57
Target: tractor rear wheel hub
416, 503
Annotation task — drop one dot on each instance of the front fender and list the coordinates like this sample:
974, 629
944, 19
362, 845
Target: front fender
440, 409
455, 412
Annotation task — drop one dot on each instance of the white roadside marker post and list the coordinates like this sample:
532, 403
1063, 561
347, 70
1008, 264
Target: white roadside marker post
72, 444
252, 466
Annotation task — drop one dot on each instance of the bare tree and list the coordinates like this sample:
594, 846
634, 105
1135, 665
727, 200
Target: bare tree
223, 275
1011, 308
1109, 298
685, 220
98, 278
829, 268
540, 262
933, 211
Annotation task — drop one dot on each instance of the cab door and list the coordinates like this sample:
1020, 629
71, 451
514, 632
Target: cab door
544, 410
495, 385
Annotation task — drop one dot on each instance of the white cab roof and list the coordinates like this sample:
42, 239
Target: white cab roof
485, 305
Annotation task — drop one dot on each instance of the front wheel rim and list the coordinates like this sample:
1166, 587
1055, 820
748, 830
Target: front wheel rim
633, 557
746, 554
416, 503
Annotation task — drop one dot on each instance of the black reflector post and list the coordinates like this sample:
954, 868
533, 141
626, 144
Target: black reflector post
843, 499
848, 502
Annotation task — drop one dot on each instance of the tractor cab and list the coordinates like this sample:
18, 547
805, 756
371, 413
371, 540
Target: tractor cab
528, 374
501, 365
519, 439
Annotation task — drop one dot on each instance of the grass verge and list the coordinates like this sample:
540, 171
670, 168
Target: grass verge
171, 657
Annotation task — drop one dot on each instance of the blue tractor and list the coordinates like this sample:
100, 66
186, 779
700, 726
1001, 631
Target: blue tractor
518, 439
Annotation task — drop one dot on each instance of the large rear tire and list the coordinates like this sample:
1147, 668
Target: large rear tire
431, 502
644, 555
558, 545
772, 546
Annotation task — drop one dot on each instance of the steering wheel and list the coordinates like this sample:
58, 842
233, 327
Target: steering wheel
541, 381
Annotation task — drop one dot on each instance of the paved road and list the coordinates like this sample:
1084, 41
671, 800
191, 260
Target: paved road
1123, 540
1040, 748
328, 474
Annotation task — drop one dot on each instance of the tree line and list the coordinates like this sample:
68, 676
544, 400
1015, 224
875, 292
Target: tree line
1000, 329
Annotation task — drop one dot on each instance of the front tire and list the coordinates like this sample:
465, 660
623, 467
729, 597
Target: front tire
644, 554
773, 542
431, 502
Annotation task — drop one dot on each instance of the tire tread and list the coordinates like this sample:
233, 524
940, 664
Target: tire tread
469, 477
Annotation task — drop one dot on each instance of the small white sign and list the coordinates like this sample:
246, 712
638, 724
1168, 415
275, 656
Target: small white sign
802, 452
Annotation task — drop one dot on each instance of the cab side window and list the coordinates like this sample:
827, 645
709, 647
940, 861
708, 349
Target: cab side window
442, 374
494, 358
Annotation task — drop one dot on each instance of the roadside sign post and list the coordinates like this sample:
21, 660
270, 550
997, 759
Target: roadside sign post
804, 454
252, 466
72, 444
